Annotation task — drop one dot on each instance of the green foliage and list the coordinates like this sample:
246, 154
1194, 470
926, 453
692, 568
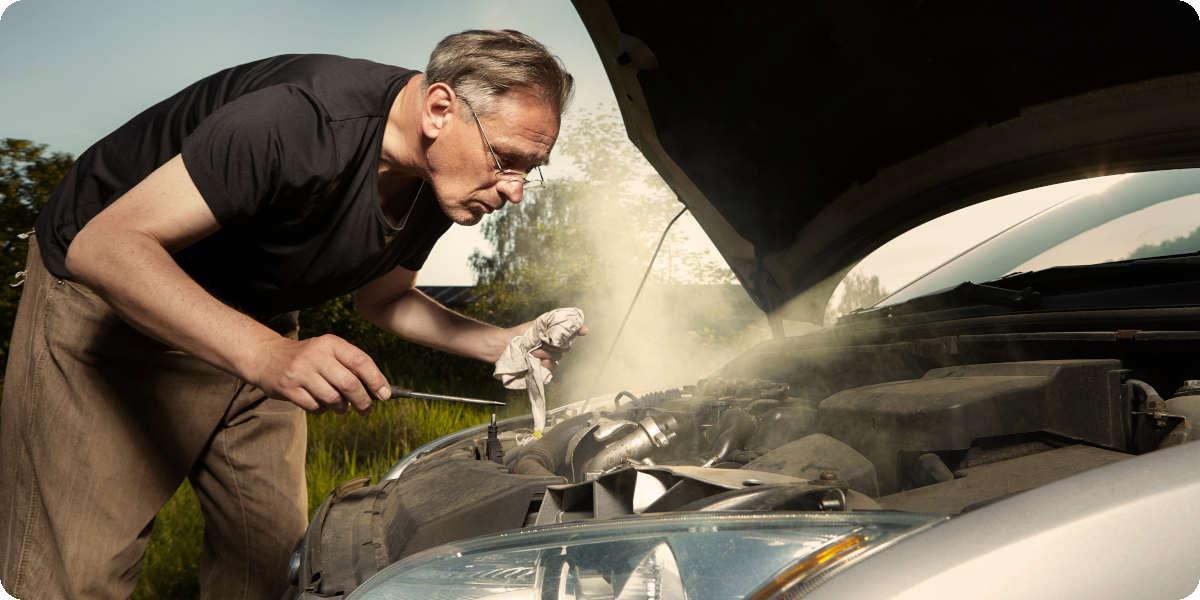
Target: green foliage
1183, 244
540, 259
28, 174
173, 556
344, 447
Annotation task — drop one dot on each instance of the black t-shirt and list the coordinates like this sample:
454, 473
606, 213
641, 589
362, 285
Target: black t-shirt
285, 151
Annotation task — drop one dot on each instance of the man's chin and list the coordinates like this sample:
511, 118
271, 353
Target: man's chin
466, 216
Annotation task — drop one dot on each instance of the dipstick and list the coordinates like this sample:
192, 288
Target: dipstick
399, 392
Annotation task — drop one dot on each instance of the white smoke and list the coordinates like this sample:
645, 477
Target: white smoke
690, 318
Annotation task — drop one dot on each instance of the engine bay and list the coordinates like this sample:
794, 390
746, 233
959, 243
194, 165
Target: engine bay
906, 428
876, 443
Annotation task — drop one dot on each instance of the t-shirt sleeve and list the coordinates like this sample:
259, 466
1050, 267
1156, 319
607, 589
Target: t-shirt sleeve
416, 259
415, 262
267, 145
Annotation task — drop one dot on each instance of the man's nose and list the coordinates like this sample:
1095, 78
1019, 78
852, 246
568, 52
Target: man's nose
511, 191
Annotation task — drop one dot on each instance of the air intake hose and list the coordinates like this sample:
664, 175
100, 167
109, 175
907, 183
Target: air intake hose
547, 456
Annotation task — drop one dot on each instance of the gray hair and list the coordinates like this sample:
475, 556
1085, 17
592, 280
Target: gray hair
480, 65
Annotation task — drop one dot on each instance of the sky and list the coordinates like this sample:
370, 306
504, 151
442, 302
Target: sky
74, 70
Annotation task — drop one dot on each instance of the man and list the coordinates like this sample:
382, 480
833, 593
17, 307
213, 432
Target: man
156, 334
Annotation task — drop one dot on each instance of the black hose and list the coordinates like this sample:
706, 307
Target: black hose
733, 429
1153, 400
548, 455
622, 394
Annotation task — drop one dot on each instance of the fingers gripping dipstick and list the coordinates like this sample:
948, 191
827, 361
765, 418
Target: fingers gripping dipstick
399, 392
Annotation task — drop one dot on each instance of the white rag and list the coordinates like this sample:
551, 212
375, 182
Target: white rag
518, 369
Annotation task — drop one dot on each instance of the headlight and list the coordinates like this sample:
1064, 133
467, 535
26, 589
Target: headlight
694, 556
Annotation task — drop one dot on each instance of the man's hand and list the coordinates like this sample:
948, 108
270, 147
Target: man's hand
531, 355
549, 355
319, 373
546, 338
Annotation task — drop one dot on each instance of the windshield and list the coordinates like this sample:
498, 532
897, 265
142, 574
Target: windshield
1140, 216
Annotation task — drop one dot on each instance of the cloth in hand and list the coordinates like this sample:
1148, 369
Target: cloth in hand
518, 369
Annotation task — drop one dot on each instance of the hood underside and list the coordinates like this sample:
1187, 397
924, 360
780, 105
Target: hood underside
803, 136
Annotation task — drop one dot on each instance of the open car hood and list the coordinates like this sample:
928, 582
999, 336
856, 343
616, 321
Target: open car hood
802, 136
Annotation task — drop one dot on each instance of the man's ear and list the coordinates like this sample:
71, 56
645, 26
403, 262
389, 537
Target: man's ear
437, 108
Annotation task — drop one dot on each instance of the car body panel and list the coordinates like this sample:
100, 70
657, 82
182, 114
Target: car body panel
1126, 530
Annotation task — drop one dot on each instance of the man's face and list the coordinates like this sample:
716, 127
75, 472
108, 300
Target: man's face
522, 130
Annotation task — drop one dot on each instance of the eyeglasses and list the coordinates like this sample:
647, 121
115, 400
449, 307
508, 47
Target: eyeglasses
502, 173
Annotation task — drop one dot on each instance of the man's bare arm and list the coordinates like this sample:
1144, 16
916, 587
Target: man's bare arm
393, 304
124, 254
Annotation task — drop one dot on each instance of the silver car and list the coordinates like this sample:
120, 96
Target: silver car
1015, 423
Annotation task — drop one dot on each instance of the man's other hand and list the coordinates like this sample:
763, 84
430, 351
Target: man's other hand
320, 373
550, 355
547, 337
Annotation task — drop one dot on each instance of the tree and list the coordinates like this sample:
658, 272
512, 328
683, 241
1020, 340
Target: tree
1183, 244
591, 231
28, 175
858, 291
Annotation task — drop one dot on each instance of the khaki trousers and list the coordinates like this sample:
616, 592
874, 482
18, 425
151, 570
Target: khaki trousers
100, 424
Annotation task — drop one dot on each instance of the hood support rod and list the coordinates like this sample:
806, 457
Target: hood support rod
629, 311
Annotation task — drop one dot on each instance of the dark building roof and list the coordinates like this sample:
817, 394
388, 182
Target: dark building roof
453, 296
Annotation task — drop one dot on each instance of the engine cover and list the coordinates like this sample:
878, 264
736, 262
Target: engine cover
949, 408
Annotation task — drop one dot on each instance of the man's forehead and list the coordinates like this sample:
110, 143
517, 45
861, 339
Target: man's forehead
526, 127
531, 158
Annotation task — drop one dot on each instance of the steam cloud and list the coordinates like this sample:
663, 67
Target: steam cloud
684, 326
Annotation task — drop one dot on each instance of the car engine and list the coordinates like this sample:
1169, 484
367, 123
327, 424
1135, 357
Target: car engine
932, 426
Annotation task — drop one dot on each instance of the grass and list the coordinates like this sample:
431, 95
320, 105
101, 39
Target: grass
343, 447
340, 448
173, 558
